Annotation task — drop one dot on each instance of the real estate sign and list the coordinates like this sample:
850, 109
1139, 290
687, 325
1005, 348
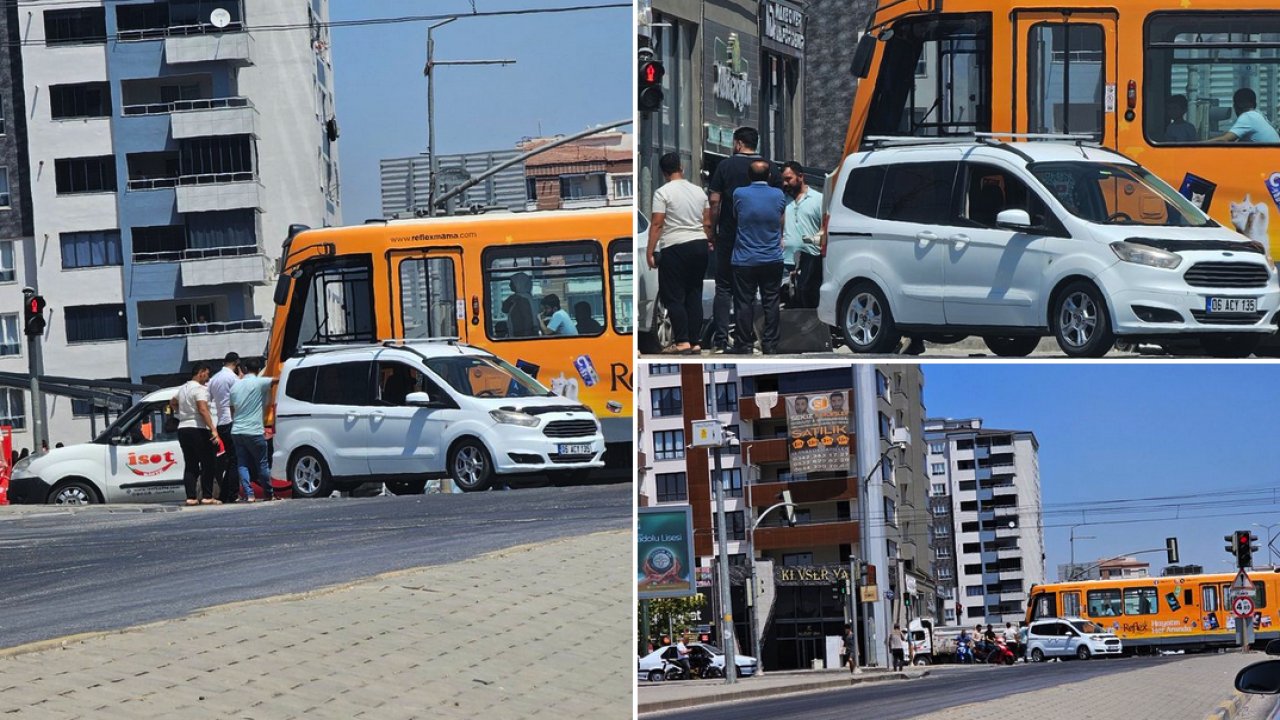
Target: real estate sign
818, 432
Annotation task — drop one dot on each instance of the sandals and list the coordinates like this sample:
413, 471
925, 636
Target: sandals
210, 501
192, 501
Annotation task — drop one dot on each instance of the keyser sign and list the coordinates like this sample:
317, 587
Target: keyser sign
664, 539
818, 432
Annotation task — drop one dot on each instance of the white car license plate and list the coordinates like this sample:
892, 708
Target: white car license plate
575, 449
1231, 305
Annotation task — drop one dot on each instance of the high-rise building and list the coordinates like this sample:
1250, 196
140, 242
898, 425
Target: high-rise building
988, 526
170, 148
801, 571
406, 181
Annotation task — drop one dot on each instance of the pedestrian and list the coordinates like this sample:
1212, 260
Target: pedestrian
248, 432
553, 318
757, 259
1022, 639
197, 433
801, 237
1011, 639
898, 645
1250, 125
220, 386
730, 174
678, 249
846, 654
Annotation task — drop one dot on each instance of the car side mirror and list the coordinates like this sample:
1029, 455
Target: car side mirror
417, 399
862, 54
1014, 219
1273, 647
1261, 678
119, 439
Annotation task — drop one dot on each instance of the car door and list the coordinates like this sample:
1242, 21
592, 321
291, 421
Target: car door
995, 276
143, 462
404, 439
915, 203
1055, 639
339, 414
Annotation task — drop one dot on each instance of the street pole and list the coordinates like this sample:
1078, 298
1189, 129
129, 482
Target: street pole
855, 665
1073, 549
644, 630
722, 550
752, 597
39, 431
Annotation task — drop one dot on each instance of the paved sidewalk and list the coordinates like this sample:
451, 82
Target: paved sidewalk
523, 632
658, 697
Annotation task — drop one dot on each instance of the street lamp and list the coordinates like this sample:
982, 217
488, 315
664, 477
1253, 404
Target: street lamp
1270, 550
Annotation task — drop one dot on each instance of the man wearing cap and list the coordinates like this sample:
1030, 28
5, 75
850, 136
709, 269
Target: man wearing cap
226, 471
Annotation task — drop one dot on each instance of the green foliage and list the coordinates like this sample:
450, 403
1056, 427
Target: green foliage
677, 614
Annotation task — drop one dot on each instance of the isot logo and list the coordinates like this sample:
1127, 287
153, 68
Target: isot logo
146, 465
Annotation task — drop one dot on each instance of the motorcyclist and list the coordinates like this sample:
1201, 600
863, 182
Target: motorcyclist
964, 651
682, 657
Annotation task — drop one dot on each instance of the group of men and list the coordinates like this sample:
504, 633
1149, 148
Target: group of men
1251, 126
763, 226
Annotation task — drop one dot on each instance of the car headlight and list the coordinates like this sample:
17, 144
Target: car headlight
20, 467
511, 417
1145, 255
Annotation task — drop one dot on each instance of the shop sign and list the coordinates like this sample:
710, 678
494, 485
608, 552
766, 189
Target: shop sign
782, 27
810, 575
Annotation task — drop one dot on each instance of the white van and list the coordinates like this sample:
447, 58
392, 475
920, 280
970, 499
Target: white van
1070, 637
403, 412
1015, 241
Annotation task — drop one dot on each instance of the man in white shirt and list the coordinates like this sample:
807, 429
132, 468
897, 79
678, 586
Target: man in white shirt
680, 225
226, 472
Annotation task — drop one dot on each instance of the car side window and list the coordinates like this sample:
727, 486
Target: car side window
148, 427
395, 380
862, 189
344, 383
301, 384
989, 189
918, 192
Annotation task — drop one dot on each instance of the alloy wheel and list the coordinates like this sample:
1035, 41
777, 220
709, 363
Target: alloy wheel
1078, 318
307, 475
864, 318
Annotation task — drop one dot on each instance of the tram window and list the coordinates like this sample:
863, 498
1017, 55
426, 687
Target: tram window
1141, 601
428, 298
1045, 606
519, 280
1104, 603
1065, 76
1209, 598
934, 78
623, 274
1071, 604
1195, 63
332, 303
1259, 595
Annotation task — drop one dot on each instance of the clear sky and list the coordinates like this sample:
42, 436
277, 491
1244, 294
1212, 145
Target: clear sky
573, 70
1113, 432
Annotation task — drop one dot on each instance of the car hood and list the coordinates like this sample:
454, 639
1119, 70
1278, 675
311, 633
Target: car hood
1178, 239
34, 464
538, 405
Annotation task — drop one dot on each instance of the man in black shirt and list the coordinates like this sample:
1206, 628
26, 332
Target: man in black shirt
730, 175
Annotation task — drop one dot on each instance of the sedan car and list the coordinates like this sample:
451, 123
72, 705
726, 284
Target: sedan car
651, 665
1070, 637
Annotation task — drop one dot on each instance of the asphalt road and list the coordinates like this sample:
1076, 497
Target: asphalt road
108, 567
947, 686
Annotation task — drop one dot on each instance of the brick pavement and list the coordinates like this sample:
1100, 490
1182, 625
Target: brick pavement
534, 631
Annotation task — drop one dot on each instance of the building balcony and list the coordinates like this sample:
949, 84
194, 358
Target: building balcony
806, 491
807, 535
213, 340
221, 191
202, 118
233, 47
230, 267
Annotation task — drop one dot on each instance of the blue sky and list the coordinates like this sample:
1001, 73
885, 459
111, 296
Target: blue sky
1111, 432
573, 70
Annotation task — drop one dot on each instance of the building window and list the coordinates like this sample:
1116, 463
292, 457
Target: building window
531, 188
882, 385
2, 117
668, 445
666, 401
731, 481
7, 273
10, 340
667, 369
97, 248
623, 186
672, 487
885, 427
937, 468
582, 187
4, 187
92, 323
82, 26
797, 558
943, 552
726, 397
736, 528
939, 488
890, 512
891, 548
936, 448
85, 175
82, 100
13, 409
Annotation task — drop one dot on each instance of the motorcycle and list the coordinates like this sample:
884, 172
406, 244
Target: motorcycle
698, 670
995, 653
964, 653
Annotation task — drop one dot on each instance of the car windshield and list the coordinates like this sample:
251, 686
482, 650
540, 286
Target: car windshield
486, 377
1087, 627
1117, 194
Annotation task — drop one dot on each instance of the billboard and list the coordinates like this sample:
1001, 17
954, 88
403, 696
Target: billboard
818, 431
664, 537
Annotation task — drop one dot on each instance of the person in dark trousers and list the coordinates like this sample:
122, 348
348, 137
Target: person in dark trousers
249, 399
678, 248
803, 229
897, 644
197, 433
757, 259
730, 175
226, 472
847, 653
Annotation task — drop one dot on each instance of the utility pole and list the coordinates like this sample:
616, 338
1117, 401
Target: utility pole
870, 503
722, 554
430, 72
1073, 549
33, 327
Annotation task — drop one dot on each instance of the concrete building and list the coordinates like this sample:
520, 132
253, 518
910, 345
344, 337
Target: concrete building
595, 171
170, 147
801, 569
991, 481
405, 181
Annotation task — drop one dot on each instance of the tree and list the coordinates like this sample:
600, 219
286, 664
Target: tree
671, 615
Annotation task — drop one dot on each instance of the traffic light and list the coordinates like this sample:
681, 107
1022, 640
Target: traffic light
33, 315
1242, 545
651, 74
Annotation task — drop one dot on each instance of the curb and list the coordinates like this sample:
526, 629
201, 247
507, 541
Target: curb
1230, 708
752, 694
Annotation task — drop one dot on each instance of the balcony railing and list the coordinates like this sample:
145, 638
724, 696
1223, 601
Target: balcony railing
177, 31
184, 180
196, 253
204, 328
186, 106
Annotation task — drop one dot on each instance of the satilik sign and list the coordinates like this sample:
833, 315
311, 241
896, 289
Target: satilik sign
818, 432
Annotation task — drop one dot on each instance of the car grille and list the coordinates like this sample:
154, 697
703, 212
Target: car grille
559, 458
570, 428
1205, 318
1226, 274
1113, 643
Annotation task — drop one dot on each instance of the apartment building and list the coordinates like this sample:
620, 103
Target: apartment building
406, 182
595, 171
987, 528
795, 612
170, 147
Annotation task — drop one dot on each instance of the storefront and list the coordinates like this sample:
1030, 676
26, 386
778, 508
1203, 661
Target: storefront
808, 609
670, 129
782, 58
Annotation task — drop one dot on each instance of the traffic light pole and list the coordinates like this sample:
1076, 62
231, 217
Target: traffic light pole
39, 431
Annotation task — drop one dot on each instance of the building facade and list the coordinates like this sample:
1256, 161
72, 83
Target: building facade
801, 569
991, 481
595, 171
406, 181
170, 147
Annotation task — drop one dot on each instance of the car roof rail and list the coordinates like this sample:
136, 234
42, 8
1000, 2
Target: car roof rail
1048, 137
878, 142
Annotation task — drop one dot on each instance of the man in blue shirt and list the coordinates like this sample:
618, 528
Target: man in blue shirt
247, 404
757, 258
1251, 125
801, 227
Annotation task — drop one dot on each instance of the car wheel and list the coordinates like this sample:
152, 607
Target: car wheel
1080, 321
712, 672
656, 676
407, 487
866, 322
309, 475
1083, 653
73, 492
1018, 346
1230, 346
470, 466
1037, 655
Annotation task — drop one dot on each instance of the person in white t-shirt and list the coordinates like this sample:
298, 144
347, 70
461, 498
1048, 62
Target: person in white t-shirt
197, 434
681, 223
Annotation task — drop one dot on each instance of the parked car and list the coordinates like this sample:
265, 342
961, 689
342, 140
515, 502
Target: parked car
133, 461
651, 666
1015, 241
404, 412
1070, 637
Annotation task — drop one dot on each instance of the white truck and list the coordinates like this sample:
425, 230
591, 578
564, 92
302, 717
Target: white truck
932, 644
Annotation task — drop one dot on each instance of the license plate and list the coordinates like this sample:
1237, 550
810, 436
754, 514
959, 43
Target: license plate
1231, 305
575, 449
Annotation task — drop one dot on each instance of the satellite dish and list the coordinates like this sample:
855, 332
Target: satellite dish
220, 18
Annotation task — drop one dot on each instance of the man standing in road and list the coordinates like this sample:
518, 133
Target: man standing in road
800, 237
196, 435
1011, 640
730, 175
220, 395
248, 434
897, 645
757, 259
677, 248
